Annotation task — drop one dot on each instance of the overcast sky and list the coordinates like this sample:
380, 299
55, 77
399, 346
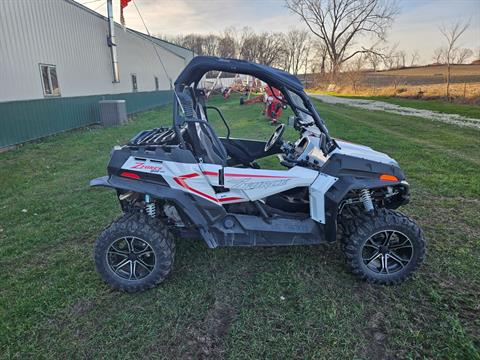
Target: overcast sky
415, 28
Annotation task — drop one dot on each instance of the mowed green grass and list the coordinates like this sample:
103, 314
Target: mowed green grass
295, 302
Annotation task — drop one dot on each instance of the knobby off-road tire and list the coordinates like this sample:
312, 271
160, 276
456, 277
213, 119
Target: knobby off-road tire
385, 247
144, 246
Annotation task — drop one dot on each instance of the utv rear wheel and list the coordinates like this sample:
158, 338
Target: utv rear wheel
385, 247
134, 253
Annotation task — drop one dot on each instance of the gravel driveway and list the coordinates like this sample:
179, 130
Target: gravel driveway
396, 109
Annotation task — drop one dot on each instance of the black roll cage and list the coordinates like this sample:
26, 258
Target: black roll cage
283, 81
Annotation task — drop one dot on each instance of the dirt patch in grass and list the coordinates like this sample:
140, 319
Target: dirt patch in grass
203, 339
82, 307
376, 335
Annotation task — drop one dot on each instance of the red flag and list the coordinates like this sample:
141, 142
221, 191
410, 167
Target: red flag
123, 4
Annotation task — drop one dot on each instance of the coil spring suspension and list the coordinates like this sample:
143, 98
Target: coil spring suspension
366, 199
150, 207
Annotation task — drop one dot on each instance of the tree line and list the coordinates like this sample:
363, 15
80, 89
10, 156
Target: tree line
331, 43
290, 51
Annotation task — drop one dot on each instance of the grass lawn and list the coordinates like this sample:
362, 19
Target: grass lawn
279, 303
472, 111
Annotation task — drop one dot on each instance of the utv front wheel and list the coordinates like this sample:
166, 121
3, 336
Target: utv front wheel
134, 253
384, 248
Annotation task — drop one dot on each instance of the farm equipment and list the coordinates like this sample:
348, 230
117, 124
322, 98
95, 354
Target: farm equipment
226, 92
273, 100
243, 85
185, 182
274, 104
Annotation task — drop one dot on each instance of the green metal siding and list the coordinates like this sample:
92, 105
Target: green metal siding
22, 121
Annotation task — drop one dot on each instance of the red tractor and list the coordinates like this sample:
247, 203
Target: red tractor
274, 103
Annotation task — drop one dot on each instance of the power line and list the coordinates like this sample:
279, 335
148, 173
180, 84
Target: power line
154, 45
98, 7
89, 2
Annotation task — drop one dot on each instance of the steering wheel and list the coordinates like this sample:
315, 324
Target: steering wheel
275, 138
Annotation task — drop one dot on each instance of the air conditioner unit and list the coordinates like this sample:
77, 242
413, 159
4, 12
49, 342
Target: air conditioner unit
113, 112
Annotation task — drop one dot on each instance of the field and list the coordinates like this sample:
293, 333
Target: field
425, 75
424, 82
457, 70
278, 303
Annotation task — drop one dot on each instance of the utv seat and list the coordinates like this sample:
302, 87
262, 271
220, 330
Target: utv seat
202, 138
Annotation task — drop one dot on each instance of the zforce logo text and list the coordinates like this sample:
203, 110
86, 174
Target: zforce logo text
247, 184
143, 166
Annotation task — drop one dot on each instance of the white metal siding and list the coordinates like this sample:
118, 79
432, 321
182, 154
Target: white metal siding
74, 39
187, 54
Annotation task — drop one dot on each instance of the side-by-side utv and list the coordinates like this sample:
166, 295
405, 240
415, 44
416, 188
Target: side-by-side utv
186, 182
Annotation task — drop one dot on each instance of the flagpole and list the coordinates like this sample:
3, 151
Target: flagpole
112, 42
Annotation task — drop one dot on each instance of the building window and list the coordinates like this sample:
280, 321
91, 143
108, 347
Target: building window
157, 85
134, 83
49, 80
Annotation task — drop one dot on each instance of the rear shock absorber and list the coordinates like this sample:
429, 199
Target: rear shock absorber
366, 199
150, 208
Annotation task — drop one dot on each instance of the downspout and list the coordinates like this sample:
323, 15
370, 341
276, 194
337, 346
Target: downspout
112, 42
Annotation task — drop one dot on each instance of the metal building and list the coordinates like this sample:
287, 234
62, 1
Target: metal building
56, 64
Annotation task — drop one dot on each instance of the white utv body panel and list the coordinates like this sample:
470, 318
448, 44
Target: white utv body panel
317, 196
362, 152
245, 184
308, 146
256, 184
184, 176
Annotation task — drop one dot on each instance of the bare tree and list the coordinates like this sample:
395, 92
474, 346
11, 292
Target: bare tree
390, 57
210, 45
439, 55
194, 42
297, 46
340, 23
262, 48
354, 73
451, 34
374, 59
227, 44
269, 45
415, 57
248, 47
318, 62
401, 59
320, 57
462, 55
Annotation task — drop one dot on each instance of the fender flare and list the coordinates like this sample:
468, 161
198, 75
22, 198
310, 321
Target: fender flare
338, 191
201, 212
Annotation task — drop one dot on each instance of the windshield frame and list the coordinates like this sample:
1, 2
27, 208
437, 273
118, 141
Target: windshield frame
309, 110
